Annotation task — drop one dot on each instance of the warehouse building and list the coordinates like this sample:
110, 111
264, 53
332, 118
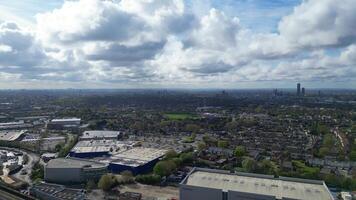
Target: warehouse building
73, 170
138, 160
211, 184
100, 135
120, 155
47, 191
99, 148
12, 135
66, 123
19, 125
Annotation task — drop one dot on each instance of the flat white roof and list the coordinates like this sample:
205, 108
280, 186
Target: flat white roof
10, 135
73, 163
99, 134
66, 120
140, 153
134, 157
90, 146
259, 184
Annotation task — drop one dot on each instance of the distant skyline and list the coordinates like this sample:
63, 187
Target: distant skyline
228, 44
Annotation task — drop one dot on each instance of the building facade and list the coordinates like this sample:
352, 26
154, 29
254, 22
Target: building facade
70, 170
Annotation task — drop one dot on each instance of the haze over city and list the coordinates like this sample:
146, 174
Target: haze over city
177, 44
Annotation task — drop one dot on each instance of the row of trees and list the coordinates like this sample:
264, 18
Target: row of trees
171, 162
108, 181
64, 149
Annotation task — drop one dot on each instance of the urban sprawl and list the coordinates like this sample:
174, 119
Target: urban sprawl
178, 144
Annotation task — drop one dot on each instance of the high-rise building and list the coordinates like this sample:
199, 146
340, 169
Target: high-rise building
303, 91
298, 89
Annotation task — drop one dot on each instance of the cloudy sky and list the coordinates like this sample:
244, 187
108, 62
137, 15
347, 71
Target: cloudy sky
177, 43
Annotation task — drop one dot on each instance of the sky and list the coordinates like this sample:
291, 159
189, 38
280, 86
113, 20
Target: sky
234, 44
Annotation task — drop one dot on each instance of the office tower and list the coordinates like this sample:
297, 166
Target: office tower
303, 91
298, 89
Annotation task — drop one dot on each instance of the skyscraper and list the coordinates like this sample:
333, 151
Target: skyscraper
298, 89
303, 91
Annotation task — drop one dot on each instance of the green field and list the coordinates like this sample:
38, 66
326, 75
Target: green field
180, 116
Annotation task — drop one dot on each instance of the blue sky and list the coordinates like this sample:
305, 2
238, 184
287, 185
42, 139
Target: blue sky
177, 43
260, 15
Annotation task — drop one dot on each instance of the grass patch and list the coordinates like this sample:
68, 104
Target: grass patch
180, 116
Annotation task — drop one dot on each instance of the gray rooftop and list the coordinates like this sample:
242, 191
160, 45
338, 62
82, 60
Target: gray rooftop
10, 135
138, 156
99, 134
66, 120
73, 163
90, 146
259, 184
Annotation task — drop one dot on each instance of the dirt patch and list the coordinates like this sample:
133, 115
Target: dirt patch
149, 191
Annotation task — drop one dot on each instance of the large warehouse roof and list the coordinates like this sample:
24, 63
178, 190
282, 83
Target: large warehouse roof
92, 146
87, 135
66, 120
136, 156
73, 163
10, 135
259, 184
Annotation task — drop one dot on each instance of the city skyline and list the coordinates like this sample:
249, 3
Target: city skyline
243, 44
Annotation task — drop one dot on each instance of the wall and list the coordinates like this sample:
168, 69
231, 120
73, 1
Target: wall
62, 175
187, 192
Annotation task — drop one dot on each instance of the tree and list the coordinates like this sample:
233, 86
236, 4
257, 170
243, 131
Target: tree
90, 185
223, 143
353, 155
240, 151
249, 164
201, 146
232, 126
186, 157
126, 177
164, 168
323, 151
37, 171
58, 147
148, 179
268, 167
328, 141
106, 182
192, 128
177, 161
171, 154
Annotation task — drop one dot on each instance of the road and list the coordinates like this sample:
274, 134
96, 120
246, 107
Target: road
7, 196
32, 159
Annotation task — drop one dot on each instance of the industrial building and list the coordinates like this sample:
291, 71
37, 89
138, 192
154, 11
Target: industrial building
100, 135
11, 135
47, 191
66, 123
99, 148
15, 125
120, 155
211, 184
138, 160
73, 170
